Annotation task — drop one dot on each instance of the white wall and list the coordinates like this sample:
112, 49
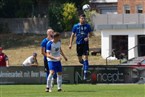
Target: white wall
132, 40
111, 0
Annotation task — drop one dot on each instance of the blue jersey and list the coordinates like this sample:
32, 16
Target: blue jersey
43, 45
54, 49
81, 32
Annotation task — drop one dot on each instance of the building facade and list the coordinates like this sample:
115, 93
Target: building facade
130, 6
104, 6
122, 33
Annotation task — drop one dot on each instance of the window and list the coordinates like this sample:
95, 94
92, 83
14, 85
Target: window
139, 9
126, 9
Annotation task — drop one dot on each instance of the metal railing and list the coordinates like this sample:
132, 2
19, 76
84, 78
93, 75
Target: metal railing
113, 53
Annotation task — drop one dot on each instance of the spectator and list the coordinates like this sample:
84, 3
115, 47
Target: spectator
31, 61
4, 61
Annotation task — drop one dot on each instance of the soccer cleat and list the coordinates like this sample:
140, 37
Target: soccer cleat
59, 90
50, 90
85, 78
47, 90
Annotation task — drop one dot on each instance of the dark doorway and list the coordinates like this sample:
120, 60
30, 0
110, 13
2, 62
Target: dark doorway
141, 45
120, 45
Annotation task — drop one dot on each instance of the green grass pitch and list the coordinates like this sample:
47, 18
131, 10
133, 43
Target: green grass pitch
80, 90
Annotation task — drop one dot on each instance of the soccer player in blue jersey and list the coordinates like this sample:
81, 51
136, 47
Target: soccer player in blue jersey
82, 31
43, 48
43, 51
54, 53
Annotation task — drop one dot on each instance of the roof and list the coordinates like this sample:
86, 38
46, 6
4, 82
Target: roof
119, 21
121, 26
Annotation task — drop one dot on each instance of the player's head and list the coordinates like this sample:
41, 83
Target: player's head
56, 36
35, 54
50, 32
82, 18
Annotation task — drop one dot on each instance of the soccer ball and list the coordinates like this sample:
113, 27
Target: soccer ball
86, 7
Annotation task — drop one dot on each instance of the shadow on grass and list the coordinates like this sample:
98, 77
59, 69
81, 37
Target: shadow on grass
81, 91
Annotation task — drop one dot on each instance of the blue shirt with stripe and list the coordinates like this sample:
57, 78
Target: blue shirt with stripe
43, 45
81, 32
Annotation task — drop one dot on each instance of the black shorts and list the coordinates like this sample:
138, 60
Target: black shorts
82, 49
46, 68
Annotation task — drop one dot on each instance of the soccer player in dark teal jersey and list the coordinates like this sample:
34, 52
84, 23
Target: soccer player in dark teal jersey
82, 30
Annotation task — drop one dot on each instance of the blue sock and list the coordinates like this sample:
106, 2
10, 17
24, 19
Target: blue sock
86, 66
47, 73
85, 74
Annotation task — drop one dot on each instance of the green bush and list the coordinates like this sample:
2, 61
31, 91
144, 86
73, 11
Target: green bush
55, 18
62, 17
69, 15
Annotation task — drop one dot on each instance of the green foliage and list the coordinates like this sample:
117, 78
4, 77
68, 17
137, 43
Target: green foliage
69, 15
25, 8
89, 16
1, 3
55, 18
15, 8
62, 17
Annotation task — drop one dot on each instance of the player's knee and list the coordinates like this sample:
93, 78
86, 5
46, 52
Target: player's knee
81, 61
59, 73
51, 72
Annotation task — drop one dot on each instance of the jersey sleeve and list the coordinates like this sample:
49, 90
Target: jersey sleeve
48, 46
43, 43
74, 29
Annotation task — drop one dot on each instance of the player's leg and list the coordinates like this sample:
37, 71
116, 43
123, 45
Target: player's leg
53, 79
79, 53
85, 66
86, 62
50, 76
47, 73
59, 76
46, 68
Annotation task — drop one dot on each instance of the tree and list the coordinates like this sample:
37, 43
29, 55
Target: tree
25, 8
16, 8
55, 18
69, 15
